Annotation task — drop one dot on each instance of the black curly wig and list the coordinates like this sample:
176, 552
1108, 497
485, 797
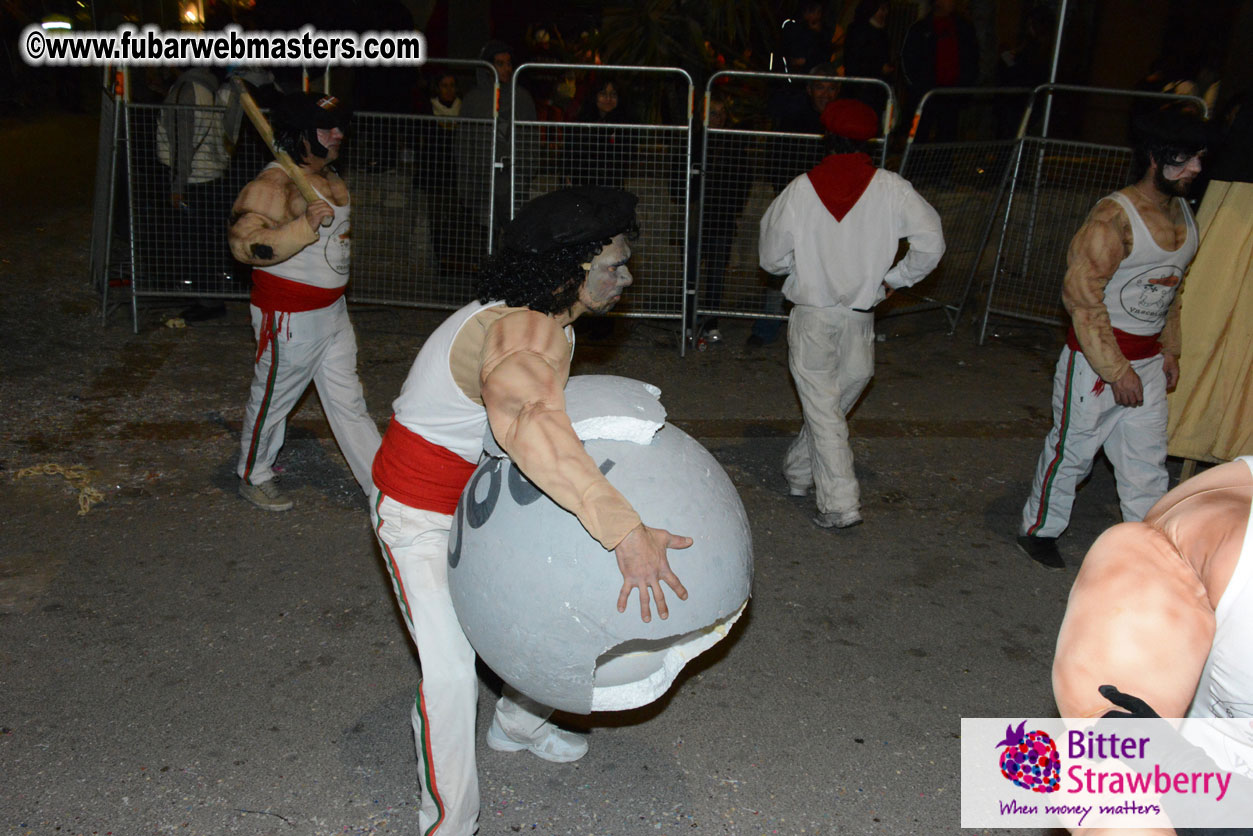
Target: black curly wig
547, 282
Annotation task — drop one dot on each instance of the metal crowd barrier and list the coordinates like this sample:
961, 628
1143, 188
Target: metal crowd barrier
646, 151
743, 167
105, 193
1055, 183
176, 241
421, 190
420, 186
965, 177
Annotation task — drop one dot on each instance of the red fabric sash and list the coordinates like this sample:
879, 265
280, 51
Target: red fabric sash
412, 470
274, 294
1132, 346
840, 180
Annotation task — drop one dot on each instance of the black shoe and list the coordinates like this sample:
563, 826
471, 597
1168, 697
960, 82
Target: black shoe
200, 312
1042, 550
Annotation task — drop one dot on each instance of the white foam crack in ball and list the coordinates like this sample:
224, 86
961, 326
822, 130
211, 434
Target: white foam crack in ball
537, 596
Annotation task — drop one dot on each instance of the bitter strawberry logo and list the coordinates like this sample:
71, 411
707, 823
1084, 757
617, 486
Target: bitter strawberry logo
1030, 759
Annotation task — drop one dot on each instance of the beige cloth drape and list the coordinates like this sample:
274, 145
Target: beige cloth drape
1211, 412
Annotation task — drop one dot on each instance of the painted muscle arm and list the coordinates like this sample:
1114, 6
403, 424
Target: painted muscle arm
1139, 619
264, 230
526, 362
1172, 335
1095, 252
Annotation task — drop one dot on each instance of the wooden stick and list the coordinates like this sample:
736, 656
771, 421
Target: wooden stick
280, 156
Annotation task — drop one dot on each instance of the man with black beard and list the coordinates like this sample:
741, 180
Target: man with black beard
1124, 268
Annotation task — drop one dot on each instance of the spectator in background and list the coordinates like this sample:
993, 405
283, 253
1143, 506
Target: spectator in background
436, 175
479, 103
192, 144
1025, 64
868, 53
803, 114
602, 157
940, 50
806, 42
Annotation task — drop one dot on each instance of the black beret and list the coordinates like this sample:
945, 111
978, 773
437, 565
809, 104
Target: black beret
1173, 127
300, 111
577, 215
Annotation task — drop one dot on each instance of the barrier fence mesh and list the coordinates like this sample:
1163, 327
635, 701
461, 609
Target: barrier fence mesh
615, 149
1057, 184
745, 161
1076, 149
423, 189
965, 178
743, 172
419, 227
177, 233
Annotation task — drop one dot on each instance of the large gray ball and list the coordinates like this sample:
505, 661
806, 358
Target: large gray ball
537, 596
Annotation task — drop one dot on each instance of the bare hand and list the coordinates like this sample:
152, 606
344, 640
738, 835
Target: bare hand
1170, 366
1128, 390
643, 564
318, 213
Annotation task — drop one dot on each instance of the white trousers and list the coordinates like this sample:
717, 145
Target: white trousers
831, 356
415, 548
1086, 419
311, 346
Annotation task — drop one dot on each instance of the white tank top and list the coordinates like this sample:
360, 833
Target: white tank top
1142, 288
1226, 686
324, 263
431, 403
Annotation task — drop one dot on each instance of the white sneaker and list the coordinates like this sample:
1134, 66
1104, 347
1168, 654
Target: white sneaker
797, 490
558, 746
838, 519
265, 496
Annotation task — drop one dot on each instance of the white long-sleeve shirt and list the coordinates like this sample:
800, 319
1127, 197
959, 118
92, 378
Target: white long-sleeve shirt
829, 262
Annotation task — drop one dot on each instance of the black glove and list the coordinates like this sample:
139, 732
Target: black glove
1136, 708
1182, 756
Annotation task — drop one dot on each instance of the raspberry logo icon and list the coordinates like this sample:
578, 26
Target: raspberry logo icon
1030, 759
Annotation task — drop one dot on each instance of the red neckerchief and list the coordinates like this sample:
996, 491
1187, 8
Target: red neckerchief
840, 180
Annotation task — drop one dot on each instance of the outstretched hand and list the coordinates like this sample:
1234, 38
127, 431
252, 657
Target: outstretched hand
643, 564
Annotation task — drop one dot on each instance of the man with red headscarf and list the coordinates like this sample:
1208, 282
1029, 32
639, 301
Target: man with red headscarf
834, 232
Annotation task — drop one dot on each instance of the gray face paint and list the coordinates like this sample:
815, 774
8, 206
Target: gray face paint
607, 276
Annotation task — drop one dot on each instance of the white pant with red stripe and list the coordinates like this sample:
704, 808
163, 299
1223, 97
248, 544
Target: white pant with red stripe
1085, 420
831, 357
415, 548
310, 346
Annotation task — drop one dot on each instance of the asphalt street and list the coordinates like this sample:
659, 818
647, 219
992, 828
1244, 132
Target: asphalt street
173, 660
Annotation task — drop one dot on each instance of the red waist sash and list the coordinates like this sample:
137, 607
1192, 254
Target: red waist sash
1132, 346
412, 470
274, 294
